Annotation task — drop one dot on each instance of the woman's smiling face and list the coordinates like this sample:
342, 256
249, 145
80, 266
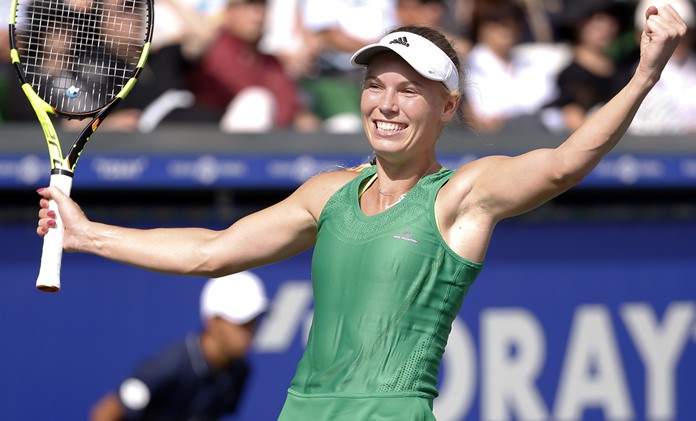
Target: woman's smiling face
401, 109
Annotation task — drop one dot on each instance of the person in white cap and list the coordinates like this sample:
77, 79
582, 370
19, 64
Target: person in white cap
201, 377
397, 242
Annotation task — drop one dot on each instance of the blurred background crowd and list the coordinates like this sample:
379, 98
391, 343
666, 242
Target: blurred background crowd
256, 66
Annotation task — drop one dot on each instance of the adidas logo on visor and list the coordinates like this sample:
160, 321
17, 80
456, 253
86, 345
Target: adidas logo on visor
401, 40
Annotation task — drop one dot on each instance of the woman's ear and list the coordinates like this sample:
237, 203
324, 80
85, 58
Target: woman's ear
451, 106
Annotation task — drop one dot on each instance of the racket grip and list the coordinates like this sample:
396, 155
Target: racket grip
52, 252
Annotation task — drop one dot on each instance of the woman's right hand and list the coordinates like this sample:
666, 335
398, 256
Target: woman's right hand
71, 217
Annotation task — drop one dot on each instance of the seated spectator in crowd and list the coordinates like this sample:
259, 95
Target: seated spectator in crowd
203, 375
162, 86
593, 76
249, 90
505, 89
286, 37
430, 13
341, 27
183, 31
7, 72
670, 108
538, 16
162, 90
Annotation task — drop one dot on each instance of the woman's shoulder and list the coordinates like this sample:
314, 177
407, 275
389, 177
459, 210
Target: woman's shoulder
337, 178
325, 184
464, 178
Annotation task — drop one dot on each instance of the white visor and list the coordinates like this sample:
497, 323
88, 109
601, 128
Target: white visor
425, 57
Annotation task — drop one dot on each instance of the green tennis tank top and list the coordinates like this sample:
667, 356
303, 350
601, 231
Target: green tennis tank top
386, 291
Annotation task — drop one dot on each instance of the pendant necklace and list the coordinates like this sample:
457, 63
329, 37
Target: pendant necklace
403, 195
391, 195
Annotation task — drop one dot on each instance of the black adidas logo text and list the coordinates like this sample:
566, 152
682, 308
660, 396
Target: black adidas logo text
401, 40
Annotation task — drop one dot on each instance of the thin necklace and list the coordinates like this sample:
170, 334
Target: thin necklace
403, 195
393, 204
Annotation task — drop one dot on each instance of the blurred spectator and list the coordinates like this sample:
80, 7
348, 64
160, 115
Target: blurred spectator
183, 32
463, 11
593, 76
538, 16
506, 85
7, 73
250, 90
538, 13
163, 71
46, 60
341, 27
4, 32
670, 108
201, 377
287, 38
430, 13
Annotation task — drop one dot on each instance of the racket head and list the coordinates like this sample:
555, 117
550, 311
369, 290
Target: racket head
75, 59
79, 56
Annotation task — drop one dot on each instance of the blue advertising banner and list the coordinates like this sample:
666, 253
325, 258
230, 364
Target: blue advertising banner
583, 320
282, 171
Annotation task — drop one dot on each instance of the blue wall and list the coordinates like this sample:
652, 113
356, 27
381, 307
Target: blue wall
563, 323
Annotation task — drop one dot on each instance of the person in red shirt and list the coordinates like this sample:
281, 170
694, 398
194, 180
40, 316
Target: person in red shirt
251, 89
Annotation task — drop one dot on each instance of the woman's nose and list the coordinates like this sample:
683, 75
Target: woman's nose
388, 102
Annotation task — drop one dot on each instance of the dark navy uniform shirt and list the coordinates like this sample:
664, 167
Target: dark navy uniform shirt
179, 385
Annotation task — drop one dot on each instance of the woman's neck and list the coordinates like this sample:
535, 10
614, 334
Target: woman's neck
395, 183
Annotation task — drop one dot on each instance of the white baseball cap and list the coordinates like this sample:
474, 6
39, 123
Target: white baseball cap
685, 8
238, 298
420, 53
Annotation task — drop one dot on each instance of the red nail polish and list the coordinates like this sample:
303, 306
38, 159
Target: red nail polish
51, 223
51, 214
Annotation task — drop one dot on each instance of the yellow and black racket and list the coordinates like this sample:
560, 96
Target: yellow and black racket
75, 59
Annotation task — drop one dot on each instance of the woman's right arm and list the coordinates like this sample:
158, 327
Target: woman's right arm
272, 234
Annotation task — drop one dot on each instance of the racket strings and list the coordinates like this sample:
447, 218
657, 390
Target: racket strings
79, 54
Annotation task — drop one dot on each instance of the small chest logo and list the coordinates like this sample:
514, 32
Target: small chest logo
401, 40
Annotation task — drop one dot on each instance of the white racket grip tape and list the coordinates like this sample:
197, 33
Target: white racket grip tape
52, 252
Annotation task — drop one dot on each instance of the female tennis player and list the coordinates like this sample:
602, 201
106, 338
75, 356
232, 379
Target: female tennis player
397, 243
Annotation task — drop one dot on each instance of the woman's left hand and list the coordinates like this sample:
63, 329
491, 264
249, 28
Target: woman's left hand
663, 31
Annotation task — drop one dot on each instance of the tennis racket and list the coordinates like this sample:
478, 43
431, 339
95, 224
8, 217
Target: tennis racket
75, 59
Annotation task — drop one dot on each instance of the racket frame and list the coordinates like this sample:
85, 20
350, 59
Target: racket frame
63, 167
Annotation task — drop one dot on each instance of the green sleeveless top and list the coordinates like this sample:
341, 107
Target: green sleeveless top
386, 291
